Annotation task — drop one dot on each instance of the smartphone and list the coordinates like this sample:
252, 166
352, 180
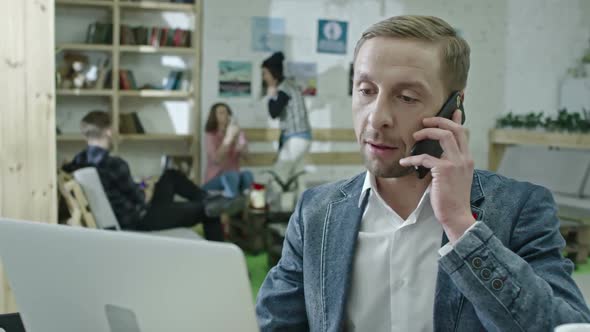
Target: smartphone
432, 147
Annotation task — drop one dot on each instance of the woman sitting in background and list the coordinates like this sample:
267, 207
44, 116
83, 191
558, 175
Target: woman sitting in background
226, 144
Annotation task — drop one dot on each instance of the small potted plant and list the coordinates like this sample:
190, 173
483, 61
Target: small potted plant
288, 193
585, 121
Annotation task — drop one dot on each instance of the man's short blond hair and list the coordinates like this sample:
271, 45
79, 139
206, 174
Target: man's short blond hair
95, 124
454, 49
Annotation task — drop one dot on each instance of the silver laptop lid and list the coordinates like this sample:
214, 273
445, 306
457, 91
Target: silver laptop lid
74, 279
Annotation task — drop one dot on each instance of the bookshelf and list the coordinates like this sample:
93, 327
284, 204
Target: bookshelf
71, 138
156, 5
157, 50
86, 3
116, 96
155, 94
85, 92
84, 47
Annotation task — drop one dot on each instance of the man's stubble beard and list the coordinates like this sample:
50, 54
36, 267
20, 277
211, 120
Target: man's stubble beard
382, 170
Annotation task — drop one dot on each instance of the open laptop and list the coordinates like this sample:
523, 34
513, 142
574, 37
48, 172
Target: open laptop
71, 279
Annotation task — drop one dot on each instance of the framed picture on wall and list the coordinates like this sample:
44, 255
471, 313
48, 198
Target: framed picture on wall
332, 36
235, 79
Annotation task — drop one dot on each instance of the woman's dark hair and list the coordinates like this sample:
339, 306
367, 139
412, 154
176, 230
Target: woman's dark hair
274, 64
212, 124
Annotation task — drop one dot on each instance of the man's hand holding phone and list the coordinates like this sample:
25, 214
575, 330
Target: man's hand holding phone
452, 173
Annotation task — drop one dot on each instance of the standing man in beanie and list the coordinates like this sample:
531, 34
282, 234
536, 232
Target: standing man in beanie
285, 102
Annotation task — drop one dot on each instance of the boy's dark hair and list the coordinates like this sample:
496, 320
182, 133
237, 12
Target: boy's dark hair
95, 124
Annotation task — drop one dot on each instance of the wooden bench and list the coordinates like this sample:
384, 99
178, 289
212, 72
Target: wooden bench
258, 159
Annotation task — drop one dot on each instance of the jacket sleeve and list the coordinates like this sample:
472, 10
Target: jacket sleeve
281, 303
525, 288
126, 184
277, 105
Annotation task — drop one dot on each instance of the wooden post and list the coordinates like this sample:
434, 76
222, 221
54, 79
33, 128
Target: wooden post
27, 122
197, 33
495, 152
495, 155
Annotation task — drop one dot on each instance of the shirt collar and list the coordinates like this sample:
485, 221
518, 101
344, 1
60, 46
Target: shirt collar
95, 154
370, 182
366, 187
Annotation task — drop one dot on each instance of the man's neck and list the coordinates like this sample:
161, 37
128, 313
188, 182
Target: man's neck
102, 143
404, 193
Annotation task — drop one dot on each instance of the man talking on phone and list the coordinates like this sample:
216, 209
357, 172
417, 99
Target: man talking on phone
393, 249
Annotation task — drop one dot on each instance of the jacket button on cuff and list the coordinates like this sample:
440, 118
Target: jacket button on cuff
486, 274
476, 262
497, 284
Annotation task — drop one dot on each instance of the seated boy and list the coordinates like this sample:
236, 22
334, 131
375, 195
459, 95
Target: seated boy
128, 200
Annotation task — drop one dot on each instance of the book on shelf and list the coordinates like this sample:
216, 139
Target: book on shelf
129, 123
163, 37
127, 80
127, 35
173, 82
141, 35
103, 70
177, 39
137, 122
154, 36
99, 33
187, 38
176, 80
108, 82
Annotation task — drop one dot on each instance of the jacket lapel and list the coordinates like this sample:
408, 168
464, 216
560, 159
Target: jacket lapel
448, 302
339, 237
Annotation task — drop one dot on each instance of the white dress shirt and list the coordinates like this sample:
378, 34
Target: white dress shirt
395, 267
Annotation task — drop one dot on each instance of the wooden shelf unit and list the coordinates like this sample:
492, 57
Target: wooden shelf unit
166, 94
156, 5
501, 138
70, 138
147, 49
86, 3
84, 47
117, 50
86, 92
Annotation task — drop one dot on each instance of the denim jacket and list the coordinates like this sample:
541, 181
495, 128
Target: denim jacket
526, 286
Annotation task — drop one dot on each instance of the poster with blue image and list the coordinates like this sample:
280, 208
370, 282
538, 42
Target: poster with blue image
332, 36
